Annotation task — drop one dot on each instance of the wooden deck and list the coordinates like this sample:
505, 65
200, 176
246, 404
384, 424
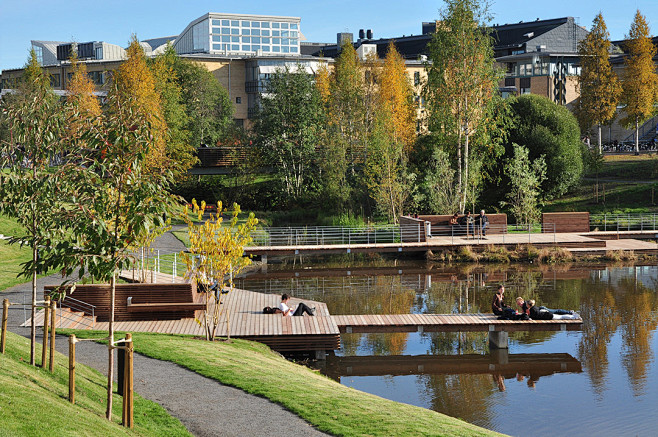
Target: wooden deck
447, 323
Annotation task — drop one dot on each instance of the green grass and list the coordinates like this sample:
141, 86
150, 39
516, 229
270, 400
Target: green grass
619, 198
34, 402
11, 256
330, 406
629, 167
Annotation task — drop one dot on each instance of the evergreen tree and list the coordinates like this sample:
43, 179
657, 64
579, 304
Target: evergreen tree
640, 81
599, 86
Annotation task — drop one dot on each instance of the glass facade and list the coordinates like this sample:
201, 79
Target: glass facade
268, 36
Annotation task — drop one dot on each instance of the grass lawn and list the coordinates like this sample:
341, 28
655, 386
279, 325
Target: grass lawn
11, 256
619, 198
330, 406
629, 167
34, 402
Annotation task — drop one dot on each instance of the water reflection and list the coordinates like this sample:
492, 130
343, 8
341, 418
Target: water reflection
613, 395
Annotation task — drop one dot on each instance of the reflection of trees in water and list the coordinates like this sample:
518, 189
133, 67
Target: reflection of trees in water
450, 343
636, 305
464, 396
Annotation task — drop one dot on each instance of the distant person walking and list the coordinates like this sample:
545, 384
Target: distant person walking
483, 223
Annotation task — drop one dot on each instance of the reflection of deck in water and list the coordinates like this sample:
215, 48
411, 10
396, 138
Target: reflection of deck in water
499, 363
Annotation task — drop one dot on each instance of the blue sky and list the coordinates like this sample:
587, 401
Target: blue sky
114, 22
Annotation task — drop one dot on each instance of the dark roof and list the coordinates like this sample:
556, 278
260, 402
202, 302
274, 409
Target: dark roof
411, 47
513, 35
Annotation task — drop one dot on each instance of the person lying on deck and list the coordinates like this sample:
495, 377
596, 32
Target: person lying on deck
299, 311
543, 313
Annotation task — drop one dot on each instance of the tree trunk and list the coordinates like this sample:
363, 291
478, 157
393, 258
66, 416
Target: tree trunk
33, 328
600, 140
110, 348
459, 171
637, 136
465, 171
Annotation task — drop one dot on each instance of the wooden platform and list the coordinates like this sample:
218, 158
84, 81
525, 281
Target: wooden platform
246, 320
447, 323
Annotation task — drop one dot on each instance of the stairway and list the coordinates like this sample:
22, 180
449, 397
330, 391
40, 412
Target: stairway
65, 318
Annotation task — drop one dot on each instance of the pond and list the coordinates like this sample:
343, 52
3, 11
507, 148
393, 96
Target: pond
599, 381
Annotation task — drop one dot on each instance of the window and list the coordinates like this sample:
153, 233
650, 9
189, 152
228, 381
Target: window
276, 49
265, 25
55, 80
524, 85
265, 40
276, 33
510, 81
246, 39
276, 40
238, 100
255, 32
235, 39
246, 31
246, 24
217, 30
96, 77
239, 122
265, 32
216, 22
226, 31
285, 49
293, 49
255, 39
98, 53
226, 39
216, 38
275, 25
265, 48
293, 34
235, 23
416, 78
293, 26
39, 52
285, 33
284, 25
256, 47
255, 24
235, 47
225, 22
246, 48
235, 31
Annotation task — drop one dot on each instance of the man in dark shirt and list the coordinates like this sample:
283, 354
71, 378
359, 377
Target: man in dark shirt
497, 305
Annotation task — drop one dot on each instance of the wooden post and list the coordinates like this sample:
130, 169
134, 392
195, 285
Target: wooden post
128, 384
72, 341
5, 315
53, 308
44, 344
121, 366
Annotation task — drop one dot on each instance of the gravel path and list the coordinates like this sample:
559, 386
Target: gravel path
204, 406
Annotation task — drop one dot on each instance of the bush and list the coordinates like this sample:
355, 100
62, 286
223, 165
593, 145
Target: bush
466, 254
496, 254
552, 255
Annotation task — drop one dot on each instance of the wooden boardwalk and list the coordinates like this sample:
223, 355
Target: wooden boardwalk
447, 323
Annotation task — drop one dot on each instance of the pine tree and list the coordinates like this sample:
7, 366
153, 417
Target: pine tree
640, 81
599, 86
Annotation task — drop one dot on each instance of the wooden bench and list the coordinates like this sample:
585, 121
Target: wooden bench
497, 329
565, 222
164, 306
441, 225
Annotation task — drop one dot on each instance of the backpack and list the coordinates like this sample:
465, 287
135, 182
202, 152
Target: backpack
268, 310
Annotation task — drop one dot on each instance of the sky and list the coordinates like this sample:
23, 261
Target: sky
115, 21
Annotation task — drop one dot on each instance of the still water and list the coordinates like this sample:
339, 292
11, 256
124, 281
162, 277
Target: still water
602, 380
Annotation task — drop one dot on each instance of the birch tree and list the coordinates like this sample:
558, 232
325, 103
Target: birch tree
461, 81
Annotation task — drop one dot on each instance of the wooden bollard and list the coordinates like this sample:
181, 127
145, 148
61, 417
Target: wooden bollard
128, 383
44, 344
5, 315
72, 341
53, 308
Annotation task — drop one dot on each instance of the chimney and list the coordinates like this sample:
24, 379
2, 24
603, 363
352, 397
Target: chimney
369, 34
362, 34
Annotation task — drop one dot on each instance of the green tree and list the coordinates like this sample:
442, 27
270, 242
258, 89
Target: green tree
287, 129
208, 107
438, 188
525, 181
552, 131
216, 251
119, 198
598, 85
639, 81
461, 82
30, 183
179, 149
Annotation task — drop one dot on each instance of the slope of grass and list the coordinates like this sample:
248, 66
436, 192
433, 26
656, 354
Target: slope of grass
328, 405
11, 256
33, 402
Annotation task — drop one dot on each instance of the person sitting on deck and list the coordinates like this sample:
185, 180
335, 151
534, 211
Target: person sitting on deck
299, 311
498, 305
454, 223
523, 306
543, 313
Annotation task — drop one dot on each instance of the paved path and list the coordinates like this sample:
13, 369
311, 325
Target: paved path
204, 406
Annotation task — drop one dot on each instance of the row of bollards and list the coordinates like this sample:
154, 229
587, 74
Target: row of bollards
125, 350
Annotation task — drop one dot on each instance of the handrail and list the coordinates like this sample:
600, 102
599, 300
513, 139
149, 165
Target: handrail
624, 222
79, 306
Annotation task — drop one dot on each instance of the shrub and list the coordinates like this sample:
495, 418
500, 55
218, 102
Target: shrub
552, 255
